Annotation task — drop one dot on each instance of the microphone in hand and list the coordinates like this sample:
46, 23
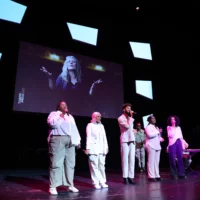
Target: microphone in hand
132, 113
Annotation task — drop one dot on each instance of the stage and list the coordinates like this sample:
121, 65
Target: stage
33, 185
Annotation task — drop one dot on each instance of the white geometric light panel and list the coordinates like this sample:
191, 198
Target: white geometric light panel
83, 33
0, 55
141, 50
12, 11
144, 88
145, 122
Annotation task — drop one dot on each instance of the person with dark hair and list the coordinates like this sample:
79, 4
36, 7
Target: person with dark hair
127, 143
140, 150
153, 147
97, 149
175, 147
63, 138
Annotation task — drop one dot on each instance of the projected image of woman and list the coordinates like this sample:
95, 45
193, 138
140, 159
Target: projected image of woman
70, 77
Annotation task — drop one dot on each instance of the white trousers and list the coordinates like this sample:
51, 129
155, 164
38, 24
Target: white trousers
140, 155
97, 168
128, 160
153, 162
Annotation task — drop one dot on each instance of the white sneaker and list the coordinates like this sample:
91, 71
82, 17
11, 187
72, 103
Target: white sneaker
73, 189
53, 191
103, 185
97, 186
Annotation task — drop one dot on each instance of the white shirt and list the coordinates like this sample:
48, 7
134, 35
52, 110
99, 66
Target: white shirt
63, 126
174, 133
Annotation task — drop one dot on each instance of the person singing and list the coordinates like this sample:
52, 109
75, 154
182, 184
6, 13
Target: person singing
127, 143
62, 140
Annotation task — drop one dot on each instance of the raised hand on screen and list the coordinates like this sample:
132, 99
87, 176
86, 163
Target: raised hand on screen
93, 85
96, 82
43, 69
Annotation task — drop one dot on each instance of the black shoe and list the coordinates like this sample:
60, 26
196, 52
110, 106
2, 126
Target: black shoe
131, 181
159, 179
126, 181
182, 177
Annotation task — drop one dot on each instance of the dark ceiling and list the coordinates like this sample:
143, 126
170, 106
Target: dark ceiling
171, 29
166, 26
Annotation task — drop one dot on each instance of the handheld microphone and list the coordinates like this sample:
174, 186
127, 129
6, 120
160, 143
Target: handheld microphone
133, 112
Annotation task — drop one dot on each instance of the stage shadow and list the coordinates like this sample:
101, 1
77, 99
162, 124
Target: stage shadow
77, 183
28, 182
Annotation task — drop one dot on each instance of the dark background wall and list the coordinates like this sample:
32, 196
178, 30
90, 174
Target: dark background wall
173, 70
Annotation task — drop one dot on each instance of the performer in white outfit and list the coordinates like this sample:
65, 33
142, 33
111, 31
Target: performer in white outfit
97, 148
63, 137
127, 143
153, 148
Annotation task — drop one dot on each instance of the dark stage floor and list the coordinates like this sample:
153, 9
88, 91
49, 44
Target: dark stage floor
33, 185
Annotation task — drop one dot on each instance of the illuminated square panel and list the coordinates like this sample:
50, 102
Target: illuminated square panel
141, 50
144, 119
83, 33
12, 11
144, 88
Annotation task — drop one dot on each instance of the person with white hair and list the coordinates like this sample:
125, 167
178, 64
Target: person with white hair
97, 149
70, 79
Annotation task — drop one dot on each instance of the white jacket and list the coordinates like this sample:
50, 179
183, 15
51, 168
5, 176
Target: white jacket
96, 140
